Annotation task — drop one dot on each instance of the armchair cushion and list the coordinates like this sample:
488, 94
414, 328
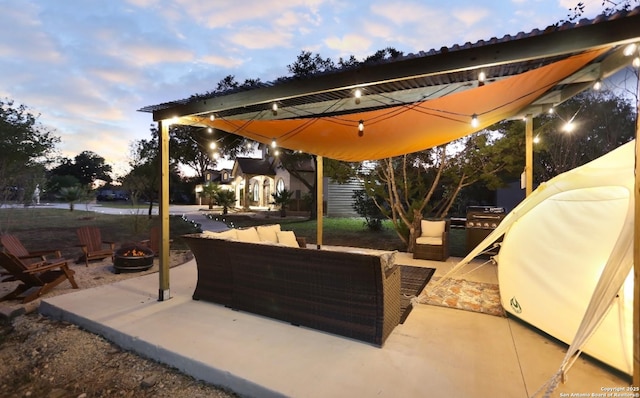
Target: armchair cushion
432, 229
428, 240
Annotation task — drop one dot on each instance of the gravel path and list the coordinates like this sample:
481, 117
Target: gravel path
45, 358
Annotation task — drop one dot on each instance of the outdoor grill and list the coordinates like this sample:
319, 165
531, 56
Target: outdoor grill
481, 220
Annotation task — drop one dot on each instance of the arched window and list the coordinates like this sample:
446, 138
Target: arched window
280, 185
256, 191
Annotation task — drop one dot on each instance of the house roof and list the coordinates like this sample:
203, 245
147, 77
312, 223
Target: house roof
420, 100
254, 166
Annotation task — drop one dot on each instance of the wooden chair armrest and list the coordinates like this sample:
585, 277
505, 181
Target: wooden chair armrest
45, 252
44, 266
31, 255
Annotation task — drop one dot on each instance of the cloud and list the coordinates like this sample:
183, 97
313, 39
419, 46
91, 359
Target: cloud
352, 44
259, 38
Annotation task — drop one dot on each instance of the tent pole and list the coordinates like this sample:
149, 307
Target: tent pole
528, 167
319, 200
636, 251
163, 202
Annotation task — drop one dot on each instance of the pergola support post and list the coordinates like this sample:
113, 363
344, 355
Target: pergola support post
163, 210
528, 167
319, 199
636, 251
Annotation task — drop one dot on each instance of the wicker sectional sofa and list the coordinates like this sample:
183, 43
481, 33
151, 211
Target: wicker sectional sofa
345, 292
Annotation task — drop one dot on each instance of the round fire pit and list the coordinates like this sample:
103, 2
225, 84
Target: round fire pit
132, 258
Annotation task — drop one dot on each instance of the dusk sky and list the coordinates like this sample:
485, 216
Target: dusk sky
87, 66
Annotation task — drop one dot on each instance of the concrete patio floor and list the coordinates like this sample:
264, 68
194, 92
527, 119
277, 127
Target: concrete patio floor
437, 352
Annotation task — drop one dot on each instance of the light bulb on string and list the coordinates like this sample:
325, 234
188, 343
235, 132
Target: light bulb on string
213, 145
474, 120
630, 49
360, 128
569, 127
482, 76
212, 117
274, 144
209, 130
216, 155
274, 108
536, 139
597, 85
636, 62
357, 94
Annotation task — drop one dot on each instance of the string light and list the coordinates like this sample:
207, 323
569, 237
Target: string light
213, 145
216, 155
474, 120
273, 143
551, 110
597, 85
481, 78
212, 117
357, 94
209, 130
636, 62
630, 49
360, 128
536, 139
274, 108
569, 127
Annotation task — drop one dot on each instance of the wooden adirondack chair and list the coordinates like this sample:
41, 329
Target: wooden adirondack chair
12, 245
37, 279
153, 242
92, 245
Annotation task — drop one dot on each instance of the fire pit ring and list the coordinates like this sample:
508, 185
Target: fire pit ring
132, 258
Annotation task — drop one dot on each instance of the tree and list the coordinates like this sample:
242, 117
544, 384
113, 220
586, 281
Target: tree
308, 64
143, 180
226, 199
86, 167
73, 195
209, 192
282, 199
25, 150
602, 122
407, 188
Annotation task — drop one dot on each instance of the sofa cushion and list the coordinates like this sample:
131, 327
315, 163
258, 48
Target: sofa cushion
287, 238
249, 235
432, 229
228, 234
268, 233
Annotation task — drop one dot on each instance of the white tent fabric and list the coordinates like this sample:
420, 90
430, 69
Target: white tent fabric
565, 264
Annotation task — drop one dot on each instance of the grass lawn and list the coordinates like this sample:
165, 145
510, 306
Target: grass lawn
345, 232
39, 228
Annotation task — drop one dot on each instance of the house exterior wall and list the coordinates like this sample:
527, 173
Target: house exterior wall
339, 198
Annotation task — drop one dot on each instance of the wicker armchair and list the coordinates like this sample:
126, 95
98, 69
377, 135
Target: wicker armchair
433, 241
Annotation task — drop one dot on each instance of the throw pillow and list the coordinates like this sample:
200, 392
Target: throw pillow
287, 238
249, 235
268, 233
228, 234
432, 229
